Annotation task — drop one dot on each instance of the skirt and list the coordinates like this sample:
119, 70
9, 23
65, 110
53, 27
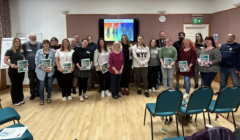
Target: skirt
82, 74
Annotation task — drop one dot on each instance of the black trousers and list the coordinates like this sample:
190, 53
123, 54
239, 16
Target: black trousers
104, 80
126, 74
33, 82
66, 81
82, 85
152, 76
17, 85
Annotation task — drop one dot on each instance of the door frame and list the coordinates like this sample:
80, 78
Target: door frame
199, 25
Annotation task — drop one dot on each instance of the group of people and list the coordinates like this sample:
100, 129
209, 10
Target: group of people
148, 62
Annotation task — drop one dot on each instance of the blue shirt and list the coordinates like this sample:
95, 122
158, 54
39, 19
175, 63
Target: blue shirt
230, 56
39, 56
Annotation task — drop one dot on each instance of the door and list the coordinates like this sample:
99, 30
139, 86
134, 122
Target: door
191, 29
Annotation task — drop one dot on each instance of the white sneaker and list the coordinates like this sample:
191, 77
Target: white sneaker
107, 93
153, 89
85, 96
185, 95
149, 90
22, 102
17, 104
69, 97
64, 98
102, 94
81, 98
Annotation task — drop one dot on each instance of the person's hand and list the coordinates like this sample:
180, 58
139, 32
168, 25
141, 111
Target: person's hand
100, 69
205, 64
188, 69
210, 62
120, 72
72, 70
27, 64
16, 66
49, 70
164, 66
236, 71
170, 67
116, 72
108, 66
179, 66
142, 64
45, 70
81, 69
199, 63
61, 70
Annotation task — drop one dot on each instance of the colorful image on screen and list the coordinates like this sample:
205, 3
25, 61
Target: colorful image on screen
115, 28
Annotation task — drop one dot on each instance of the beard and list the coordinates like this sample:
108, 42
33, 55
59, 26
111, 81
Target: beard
33, 42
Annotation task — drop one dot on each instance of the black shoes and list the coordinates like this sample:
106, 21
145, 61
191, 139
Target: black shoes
139, 92
32, 97
196, 86
74, 90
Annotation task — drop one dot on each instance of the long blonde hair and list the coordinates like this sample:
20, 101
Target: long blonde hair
13, 48
62, 47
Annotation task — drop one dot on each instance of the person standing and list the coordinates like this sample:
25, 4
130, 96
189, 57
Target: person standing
199, 43
127, 52
45, 75
178, 46
189, 54
80, 54
30, 49
78, 43
15, 53
116, 64
230, 64
209, 69
92, 47
160, 43
153, 65
141, 56
101, 55
64, 55
168, 51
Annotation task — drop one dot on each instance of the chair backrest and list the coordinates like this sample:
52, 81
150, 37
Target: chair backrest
229, 97
200, 98
169, 100
237, 133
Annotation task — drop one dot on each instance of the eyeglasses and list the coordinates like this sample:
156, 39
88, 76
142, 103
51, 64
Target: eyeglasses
230, 36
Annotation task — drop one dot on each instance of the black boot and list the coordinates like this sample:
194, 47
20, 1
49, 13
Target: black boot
196, 86
74, 90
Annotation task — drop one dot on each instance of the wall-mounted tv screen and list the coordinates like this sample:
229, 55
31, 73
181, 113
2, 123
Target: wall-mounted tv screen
113, 29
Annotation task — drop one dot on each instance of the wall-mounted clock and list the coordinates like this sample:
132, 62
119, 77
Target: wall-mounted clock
162, 19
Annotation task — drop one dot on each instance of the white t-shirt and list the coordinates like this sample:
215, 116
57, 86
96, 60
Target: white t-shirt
64, 56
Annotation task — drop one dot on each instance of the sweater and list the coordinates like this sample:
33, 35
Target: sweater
116, 60
230, 56
81, 53
154, 59
100, 58
168, 53
140, 56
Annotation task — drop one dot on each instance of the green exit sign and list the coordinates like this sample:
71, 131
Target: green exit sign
196, 21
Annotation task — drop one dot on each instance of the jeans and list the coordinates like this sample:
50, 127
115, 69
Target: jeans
115, 83
208, 78
224, 73
187, 83
90, 78
33, 82
196, 74
17, 85
168, 74
42, 85
152, 76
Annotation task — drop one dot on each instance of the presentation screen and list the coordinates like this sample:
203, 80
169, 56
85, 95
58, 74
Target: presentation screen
113, 29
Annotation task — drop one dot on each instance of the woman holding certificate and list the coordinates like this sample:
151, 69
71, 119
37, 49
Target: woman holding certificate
45, 62
168, 57
101, 56
208, 61
83, 58
63, 58
16, 78
187, 56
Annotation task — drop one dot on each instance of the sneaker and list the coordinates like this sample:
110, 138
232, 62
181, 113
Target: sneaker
115, 97
149, 90
17, 104
85, 96
146, 94
196, 86
139, 92
81, 99
119, 96
102, 94
107, 93
64, 98
185, 95
69, 97
153, 89
22, 102
32, 97
177, 86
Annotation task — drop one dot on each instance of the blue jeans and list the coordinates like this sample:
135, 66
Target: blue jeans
196, 74
42, 85
224, 73
90, 78
208, 78
115, 83
187, 83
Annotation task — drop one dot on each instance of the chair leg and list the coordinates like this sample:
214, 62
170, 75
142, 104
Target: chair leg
216, 117
234, 123
151, 126
196, 118
13, 121
145, 116
18, 121
209, 120
177, 125
228, 115
182, 127
204, 119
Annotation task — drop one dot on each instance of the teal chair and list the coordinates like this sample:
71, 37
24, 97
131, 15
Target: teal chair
237, 133
167, 104
198, 101
26, 136
227, 100
177, 138
8, 114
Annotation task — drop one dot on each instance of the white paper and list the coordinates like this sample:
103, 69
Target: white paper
15, 132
